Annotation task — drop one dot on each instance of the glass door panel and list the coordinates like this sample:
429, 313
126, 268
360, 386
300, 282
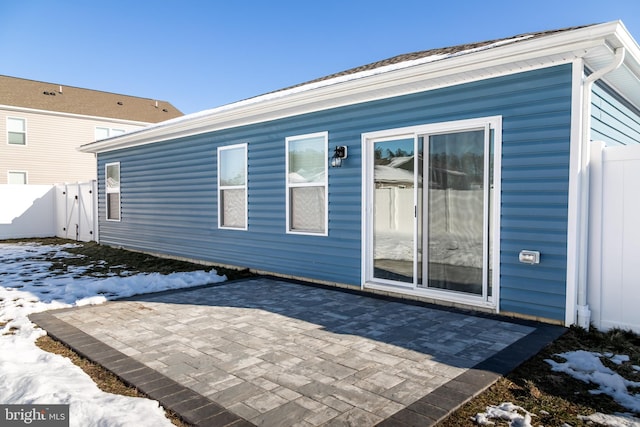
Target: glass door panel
455, 212
394, 210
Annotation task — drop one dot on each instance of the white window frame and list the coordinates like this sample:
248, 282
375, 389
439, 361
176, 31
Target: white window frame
24, 132
244, 187
108, 191
102, 128
111, 132
324, 184
25, 173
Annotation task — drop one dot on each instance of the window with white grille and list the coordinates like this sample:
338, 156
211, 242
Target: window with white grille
232, 187
16, 131
112, 186
306, 199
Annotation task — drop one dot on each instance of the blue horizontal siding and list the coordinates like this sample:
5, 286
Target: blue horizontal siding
613, 119
169, 194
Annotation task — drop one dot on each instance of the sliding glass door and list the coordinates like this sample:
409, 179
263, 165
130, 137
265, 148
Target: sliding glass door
430, 200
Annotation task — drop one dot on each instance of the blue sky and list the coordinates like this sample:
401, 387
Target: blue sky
203, 54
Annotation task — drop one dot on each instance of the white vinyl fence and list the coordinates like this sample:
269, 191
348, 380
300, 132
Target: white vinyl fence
614, 246
62, 210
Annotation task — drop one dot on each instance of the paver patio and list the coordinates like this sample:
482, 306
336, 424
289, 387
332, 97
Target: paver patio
270, 352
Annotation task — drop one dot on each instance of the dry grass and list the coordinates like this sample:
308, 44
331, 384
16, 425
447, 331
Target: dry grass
556, 398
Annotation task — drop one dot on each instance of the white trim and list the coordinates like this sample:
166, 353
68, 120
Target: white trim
573, 234
511, 56
434, 294
486, 214
107, 192
111, 132
26, 175
497, 210
324, 183
244, 187
418, 191
413, 132
24, 132
71, 115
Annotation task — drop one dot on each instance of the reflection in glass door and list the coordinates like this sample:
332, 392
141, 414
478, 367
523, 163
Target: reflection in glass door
456, 229
393, 210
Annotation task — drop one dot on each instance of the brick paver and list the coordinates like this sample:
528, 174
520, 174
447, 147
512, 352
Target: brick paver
270, 352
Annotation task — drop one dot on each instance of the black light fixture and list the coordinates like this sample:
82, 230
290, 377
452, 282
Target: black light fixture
339, 154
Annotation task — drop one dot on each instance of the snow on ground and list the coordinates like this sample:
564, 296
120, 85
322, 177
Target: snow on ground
519, 417
588, 367
506, 411
32, 376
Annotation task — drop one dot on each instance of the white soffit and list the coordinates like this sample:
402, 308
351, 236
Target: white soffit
625, 79
595, 44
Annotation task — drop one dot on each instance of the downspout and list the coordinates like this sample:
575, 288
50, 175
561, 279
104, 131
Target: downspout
584, 314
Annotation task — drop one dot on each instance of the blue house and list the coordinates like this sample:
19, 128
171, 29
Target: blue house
457, 176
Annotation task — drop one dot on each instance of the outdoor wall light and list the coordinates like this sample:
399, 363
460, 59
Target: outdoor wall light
339, 154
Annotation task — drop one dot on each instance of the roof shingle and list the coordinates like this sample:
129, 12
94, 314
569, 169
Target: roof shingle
68, 99
433, 52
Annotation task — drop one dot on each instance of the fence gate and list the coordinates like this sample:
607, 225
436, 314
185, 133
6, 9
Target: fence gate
76, 210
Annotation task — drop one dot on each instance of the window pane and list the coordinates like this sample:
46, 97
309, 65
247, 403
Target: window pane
17, 178
393, 199
102, 133
307, 160
17, 138
233, 208
455, 201
307, 209
115, 132
113, 206
232, 167
113, 177
15, 125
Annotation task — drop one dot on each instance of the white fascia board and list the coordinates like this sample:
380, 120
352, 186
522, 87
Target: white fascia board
520, 56
72, 115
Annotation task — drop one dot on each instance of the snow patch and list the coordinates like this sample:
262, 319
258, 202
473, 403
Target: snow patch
587, 367
507, 411
30, 375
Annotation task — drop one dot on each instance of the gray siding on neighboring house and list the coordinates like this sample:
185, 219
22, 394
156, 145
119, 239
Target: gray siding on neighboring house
169, 195
613, 120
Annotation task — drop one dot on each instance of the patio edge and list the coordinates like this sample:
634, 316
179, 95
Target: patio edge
189, 405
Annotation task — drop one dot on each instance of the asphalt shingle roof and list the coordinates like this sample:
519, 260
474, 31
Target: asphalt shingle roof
433, 52
38, 95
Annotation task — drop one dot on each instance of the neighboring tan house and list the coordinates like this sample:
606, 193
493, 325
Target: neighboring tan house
42, 125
